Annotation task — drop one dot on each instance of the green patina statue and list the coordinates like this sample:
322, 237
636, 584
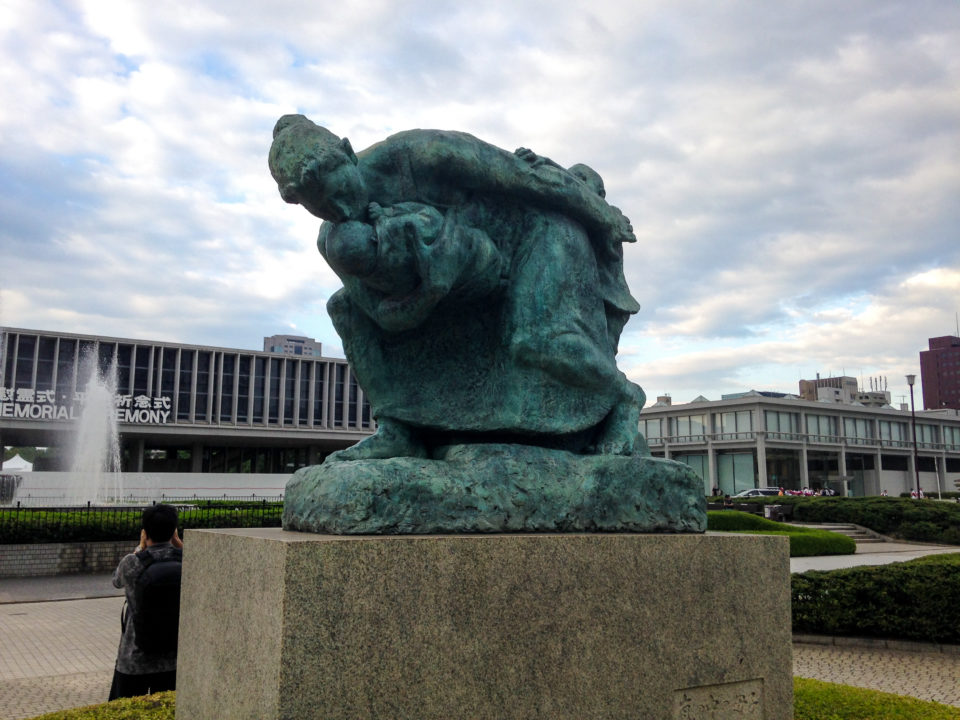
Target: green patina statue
482, 306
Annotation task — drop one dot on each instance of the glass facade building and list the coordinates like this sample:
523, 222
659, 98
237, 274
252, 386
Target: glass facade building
183, 407
752, 441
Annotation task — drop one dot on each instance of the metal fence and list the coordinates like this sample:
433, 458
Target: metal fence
23, 524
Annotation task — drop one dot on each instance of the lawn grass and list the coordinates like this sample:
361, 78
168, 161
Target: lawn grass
816, 700
804, 542
160, 706
812, 700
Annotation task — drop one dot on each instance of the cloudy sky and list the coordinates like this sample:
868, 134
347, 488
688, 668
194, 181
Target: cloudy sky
792, 169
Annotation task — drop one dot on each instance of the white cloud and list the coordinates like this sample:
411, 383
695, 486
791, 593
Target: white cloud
789, 169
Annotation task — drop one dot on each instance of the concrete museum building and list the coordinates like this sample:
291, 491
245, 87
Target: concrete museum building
758, 439
190, 418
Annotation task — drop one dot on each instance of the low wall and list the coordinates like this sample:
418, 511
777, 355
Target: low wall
41, 488
62, 558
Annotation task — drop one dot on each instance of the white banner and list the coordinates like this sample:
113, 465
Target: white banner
28, 404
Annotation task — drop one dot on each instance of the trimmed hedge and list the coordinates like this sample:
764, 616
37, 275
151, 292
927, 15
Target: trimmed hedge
904, 518
33, 525
915, 600
804, 542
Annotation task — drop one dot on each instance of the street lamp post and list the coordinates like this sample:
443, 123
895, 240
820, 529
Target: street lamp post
913, 423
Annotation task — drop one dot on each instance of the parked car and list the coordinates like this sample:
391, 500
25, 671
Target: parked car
757, 492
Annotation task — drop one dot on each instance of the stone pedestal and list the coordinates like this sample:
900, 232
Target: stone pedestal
290, 625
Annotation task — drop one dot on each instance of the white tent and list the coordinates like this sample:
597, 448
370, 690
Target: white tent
16, 464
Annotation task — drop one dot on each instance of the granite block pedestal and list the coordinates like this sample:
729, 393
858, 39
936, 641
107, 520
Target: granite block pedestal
278, 624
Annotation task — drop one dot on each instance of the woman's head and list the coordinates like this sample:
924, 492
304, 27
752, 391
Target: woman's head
315, 168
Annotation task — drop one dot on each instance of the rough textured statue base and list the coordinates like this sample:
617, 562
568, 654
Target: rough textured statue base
496, 488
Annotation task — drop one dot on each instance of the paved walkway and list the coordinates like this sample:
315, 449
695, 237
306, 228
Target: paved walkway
870, 554
925, 675
56, 655
59, 636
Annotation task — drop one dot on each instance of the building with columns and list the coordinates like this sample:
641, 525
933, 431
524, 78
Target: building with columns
758, 441
181, 408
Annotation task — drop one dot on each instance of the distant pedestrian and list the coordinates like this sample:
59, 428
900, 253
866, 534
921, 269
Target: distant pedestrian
727, 502
883, 493
147, 656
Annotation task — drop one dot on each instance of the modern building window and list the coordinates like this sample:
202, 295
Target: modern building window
822, 428
784, 425
124, 368
689, 428
858, 431
25, 350
338, 394
352, 402
168, 364
10, 352
651, 430
227, 375
105, 353
926, 435
46, 363
319, 407
735, 472
733, 425
951, 438
243, 389
289, 391
203, 385
274, 397
66, 371
259, 376
141, 373
894, 434
303, 370
186, 384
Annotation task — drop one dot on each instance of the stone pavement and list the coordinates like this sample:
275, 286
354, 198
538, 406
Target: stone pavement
870, 554
57, 587
56, 655
925, 675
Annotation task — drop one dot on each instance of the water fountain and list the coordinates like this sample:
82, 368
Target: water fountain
95, 469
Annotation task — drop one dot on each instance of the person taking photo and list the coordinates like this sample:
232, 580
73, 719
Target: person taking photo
150, 576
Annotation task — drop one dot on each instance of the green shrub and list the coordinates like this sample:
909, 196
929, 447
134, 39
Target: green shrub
915, 600
33, 525
804, 542
904, 518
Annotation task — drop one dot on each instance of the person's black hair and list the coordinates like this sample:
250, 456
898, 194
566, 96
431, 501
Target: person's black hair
160, 522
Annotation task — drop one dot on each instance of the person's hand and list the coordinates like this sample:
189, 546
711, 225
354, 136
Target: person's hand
176, 541
528, 156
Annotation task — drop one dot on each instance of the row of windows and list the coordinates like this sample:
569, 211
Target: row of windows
786, 425
214, 386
